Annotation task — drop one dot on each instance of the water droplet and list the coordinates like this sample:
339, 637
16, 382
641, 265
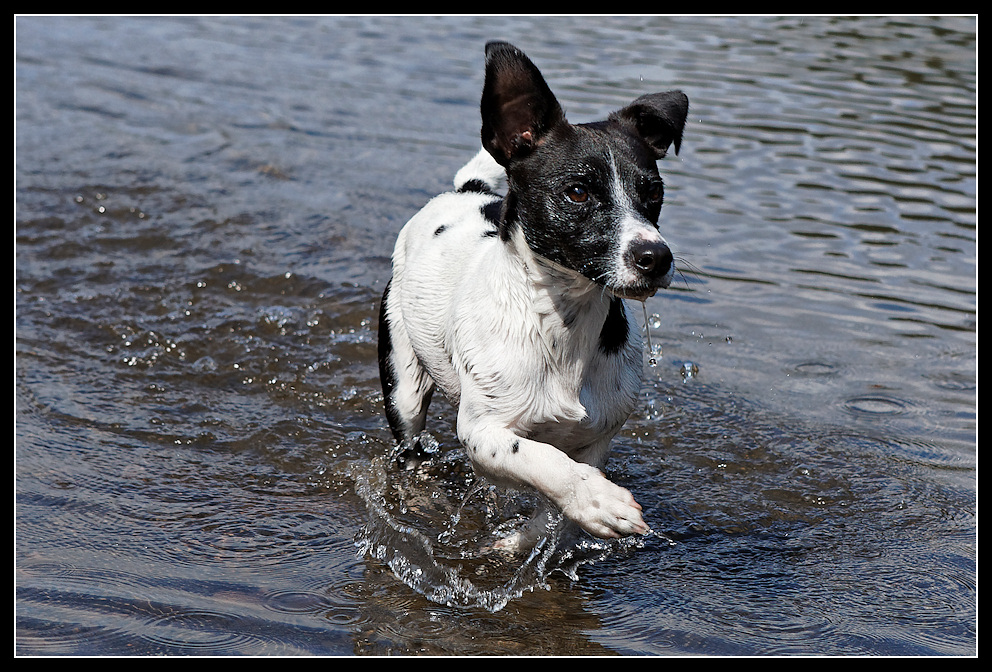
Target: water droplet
654, 352
688, 370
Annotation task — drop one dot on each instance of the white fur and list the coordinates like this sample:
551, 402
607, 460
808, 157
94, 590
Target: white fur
538, 400
482, 167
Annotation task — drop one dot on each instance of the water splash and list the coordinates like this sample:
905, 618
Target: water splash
457, 566
652, 322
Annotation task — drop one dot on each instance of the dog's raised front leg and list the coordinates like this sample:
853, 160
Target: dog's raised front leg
581, 491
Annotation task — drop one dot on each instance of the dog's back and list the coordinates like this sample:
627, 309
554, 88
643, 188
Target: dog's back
451, 240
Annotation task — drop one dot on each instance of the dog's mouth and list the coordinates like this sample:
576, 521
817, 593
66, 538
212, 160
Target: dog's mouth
638, 292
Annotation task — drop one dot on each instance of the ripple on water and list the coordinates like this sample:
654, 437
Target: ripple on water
297, 602
306, 602
38, 636
875, 405
199, 630
815, 369
112, 607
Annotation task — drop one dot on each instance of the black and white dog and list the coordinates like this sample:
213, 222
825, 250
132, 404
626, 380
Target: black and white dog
513, 306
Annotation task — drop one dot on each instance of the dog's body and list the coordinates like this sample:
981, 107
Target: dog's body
513, 306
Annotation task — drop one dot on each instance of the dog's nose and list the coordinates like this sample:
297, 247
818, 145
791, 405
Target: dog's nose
652, 259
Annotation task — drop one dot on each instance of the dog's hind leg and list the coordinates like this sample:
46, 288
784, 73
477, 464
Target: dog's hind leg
406, 386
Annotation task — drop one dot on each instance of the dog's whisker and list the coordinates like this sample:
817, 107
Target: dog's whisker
691, 268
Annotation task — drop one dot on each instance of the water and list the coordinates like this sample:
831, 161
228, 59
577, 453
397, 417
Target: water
205, 209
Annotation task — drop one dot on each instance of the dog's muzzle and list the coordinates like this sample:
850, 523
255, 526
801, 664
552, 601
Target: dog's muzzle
651, 265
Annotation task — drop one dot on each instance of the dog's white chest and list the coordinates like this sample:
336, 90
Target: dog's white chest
548, 380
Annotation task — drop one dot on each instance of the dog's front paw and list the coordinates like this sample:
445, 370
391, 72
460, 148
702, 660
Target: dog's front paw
602, 508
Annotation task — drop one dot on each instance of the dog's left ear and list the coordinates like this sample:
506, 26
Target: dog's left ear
518, 107
658, 118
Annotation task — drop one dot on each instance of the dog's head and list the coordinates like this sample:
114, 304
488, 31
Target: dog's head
585, 196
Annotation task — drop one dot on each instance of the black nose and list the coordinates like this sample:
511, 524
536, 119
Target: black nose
651, 259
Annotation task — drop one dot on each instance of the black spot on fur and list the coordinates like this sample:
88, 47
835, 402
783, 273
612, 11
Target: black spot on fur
615, 330
493, 211
439, 230
507, 219
516, 446
475, 186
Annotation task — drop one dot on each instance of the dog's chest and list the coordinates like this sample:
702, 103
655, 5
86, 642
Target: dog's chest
576, 414
550, 381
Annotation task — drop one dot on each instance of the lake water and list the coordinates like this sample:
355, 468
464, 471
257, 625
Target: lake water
205, 209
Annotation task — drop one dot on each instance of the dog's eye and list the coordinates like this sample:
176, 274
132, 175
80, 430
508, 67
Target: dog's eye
577, 194
655, 192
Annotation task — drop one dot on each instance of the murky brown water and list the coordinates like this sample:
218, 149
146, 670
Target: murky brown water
205, 212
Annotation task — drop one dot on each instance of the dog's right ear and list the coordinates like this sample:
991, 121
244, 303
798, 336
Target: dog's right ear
518, 107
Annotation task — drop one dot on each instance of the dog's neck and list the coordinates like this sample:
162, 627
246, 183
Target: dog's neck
550, 275
572, 309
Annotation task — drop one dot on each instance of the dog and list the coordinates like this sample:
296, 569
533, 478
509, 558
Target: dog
513, 306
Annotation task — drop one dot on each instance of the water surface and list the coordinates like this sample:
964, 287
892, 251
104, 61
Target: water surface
205, 209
